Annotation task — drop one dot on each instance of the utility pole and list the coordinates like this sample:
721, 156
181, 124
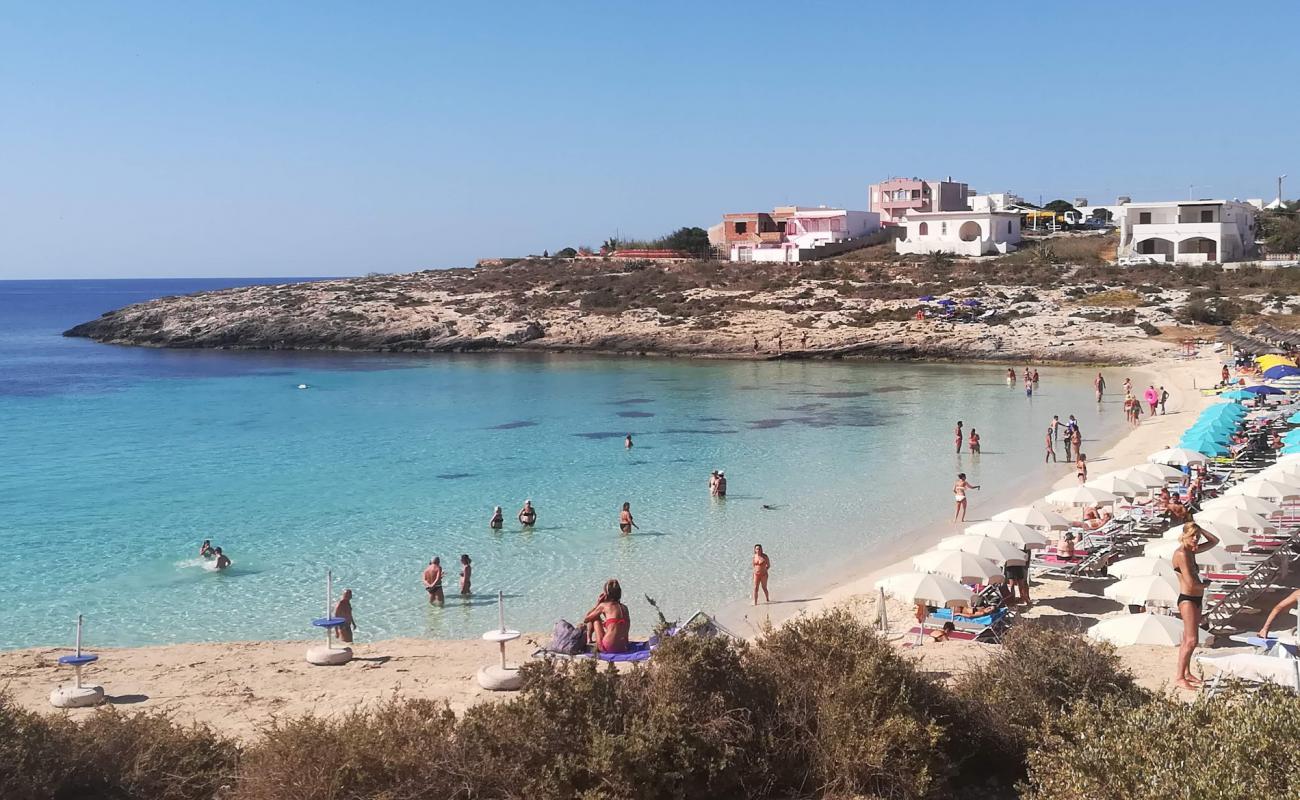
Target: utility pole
1279, 190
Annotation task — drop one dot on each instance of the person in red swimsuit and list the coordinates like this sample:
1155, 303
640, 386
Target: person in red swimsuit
609, 621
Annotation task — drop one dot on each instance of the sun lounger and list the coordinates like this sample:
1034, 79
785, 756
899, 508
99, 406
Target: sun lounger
1252, 668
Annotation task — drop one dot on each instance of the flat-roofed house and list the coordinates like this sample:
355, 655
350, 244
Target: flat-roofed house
963, 233
802, 233
893, 199
1188, 231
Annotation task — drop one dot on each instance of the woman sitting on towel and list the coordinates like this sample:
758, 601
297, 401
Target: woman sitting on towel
609, 621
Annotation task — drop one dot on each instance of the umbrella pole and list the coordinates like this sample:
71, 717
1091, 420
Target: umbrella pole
882, 614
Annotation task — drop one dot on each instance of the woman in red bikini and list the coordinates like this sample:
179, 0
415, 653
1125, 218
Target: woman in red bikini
609, 620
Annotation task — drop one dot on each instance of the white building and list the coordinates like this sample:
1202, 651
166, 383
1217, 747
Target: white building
995, 201
803, 230
1187, 231
963, 233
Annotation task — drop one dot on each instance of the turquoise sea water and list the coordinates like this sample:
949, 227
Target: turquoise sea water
116, 462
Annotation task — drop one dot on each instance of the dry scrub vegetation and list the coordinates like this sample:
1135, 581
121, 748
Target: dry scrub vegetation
822, 707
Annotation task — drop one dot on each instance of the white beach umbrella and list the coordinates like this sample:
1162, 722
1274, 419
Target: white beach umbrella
996, 550
1287, 468
1150, 629
1177, 455
1144, 590
961, 566
1269, 490
1228, 536
1255, 505
1161, 471
1236, 518
1147, 480
1114, 484
1080, 496
923, 587
1215, 558
1013, 533
1284, 476
1160, 548
1141, 565
1034, 517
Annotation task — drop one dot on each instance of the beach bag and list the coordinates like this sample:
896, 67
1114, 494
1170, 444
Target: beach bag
567, 639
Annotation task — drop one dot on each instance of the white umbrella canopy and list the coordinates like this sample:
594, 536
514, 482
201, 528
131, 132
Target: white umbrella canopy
1013, 533
1177, 455
1236, 518
921, 587
1144, 590
996, 550
1114, 484
1216, 558
1142, 565
1149, 629
1282, 476
961, 566
1136, 475
1269, 490
1255, 505
1160, 548
1034, 517
1229, 537
1161, 471
1080, 496
1286, 469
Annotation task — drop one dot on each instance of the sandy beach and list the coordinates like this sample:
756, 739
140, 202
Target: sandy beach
241, 686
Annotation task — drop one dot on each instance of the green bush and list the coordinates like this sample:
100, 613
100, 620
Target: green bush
1236, 747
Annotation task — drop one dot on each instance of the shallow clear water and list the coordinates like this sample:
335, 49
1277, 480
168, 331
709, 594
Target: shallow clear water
116, 462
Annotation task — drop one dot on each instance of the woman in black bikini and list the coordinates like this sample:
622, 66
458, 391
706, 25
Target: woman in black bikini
1191, 595
527, 514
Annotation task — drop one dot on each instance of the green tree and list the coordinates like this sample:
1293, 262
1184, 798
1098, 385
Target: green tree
1280, 231
1102, 215
567, 252
694, 241
1059, 206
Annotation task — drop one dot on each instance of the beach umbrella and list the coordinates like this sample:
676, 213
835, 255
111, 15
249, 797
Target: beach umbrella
1013, 533
1144, 590
1281, 371
1216, 558
1177, 455
1034, 517
1218, 427
1160, 548
946, 302
1114, 484
1289, 384
1163, 471
926, 298
1229, 537
961, 566
1137, 476
1141, 565
1080, 496
1146, 629
1205, 447
925, 587
1237, 394
1284, 476
1269, 490
1255, 505
1236, 518
970, 302
1272, 360
995, 550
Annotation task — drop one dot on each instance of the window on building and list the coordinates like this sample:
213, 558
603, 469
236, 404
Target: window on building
923, 229
916, 194
1144, 217
1008, 227
742, 227
1207, 215
943, 229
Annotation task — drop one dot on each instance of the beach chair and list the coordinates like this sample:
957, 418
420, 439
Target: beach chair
989, 627
1252, 668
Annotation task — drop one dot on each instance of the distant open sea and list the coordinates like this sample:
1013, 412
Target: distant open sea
116, 462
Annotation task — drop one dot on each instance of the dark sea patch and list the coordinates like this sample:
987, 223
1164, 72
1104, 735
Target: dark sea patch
631, 401
509, 426
712, 419
700, 431
635, 414
892, 389
844, 395
601, 435
828, 418
805, 408
451, 476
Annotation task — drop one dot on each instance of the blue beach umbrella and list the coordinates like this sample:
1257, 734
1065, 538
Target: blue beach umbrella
1194, 437
1238, 394
926, 298
1294, 418
1263, 390
1217, 431
972, 302
1291, 436
1281, 371
1206, 448
946, 302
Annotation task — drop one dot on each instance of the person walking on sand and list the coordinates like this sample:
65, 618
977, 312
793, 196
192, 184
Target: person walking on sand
343, 610
433, 581
1081, 468
1128, 386
1099, 383
527, 515
1191, 595
498, 519
465, 570
625, 521
974, 442
627, 442
959, 436
1164, 398
959, 490
1051, 446
761, 566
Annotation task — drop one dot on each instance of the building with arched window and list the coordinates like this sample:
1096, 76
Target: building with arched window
1188, 231
963, 233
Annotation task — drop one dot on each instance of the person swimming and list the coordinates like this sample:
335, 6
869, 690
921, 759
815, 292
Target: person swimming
222, 560
527, 514
205, 549
627, 441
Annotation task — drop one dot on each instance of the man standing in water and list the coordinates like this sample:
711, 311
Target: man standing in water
958, 434
433, 582
1099, 383
959, 490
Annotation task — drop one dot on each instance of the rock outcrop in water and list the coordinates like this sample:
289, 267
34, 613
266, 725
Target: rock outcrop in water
697, 308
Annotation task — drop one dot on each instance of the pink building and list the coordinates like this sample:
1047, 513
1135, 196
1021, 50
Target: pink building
893, 198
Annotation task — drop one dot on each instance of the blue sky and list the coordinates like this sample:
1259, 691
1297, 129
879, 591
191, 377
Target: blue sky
335, 138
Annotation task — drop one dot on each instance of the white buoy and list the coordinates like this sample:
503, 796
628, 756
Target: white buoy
503, 677
329, 655
302, 386
77, 695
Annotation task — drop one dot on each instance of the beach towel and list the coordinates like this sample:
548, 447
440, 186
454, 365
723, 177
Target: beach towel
636, 651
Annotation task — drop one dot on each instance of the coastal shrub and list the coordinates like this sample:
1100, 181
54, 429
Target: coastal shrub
1212, 311
853, 716
399, 750
1234, 747
1022, 690
110, 754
